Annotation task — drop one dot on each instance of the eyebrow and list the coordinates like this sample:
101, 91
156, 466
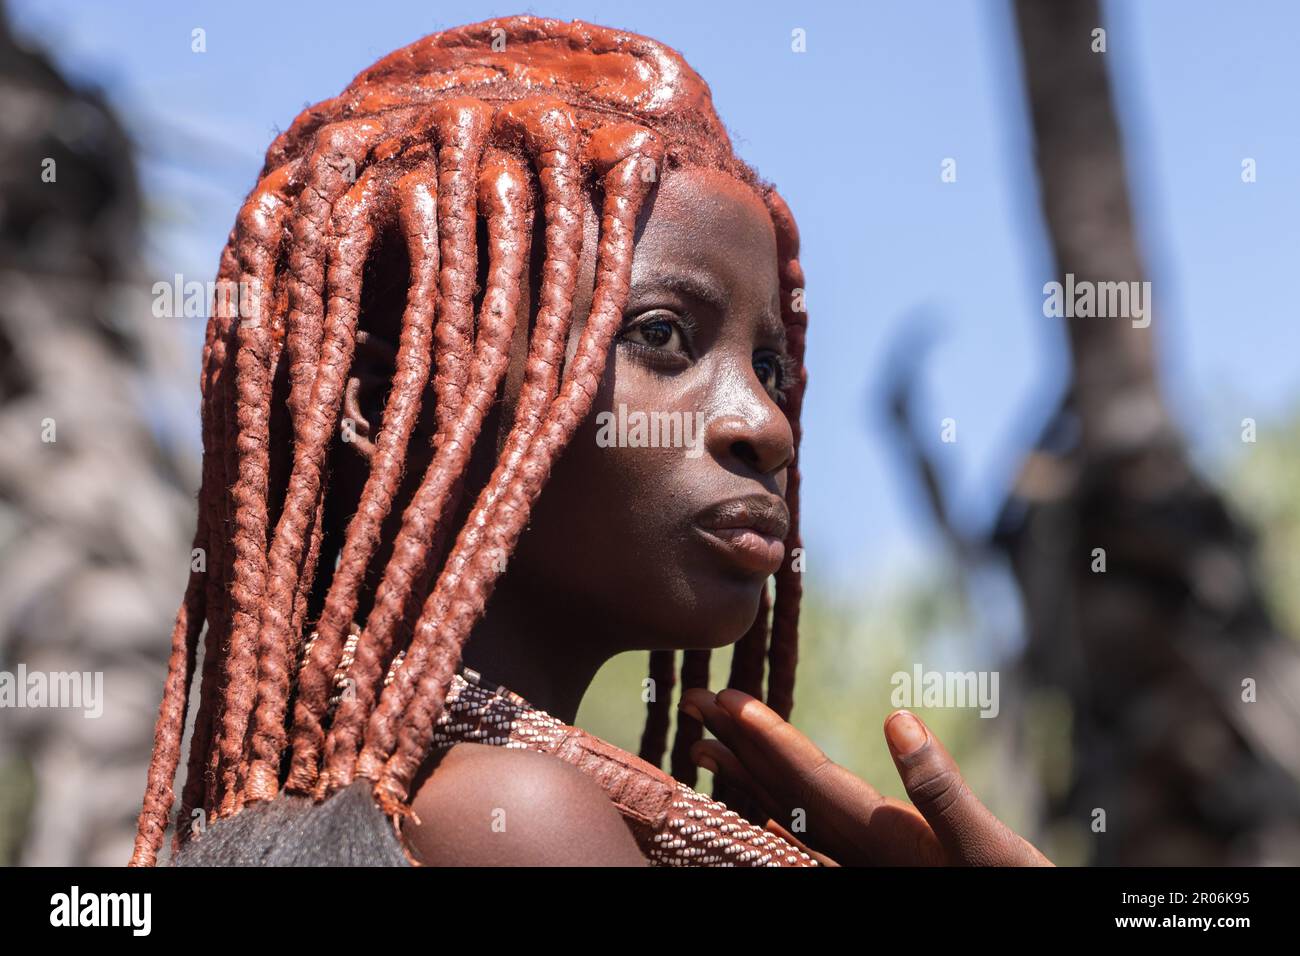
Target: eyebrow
704, 288
697, 285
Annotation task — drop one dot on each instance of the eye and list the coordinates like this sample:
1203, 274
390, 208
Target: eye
774, 372
661, 331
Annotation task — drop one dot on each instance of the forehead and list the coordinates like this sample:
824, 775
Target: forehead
702, 220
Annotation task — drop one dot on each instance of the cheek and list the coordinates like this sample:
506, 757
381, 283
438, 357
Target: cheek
612, 528
616, 513
606, 479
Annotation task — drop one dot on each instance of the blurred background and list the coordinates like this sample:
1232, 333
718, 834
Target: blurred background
964, 455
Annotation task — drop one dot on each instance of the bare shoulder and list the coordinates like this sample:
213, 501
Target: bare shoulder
493, 806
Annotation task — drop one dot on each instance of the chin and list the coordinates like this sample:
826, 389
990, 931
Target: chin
720, 613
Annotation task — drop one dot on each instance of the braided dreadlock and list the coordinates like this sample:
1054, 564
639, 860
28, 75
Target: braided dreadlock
503, 121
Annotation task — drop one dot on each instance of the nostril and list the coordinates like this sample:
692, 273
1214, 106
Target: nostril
745, 452
764, 447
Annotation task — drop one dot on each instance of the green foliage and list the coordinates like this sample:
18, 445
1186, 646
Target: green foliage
17, 796
1264, 483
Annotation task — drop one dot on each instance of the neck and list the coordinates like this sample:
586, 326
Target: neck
550, 666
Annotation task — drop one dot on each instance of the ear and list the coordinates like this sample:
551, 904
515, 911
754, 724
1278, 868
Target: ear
374, 364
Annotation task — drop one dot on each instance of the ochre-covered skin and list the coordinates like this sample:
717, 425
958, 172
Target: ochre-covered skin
511, 120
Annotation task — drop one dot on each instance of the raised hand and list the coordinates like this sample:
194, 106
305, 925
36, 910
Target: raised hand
848, 822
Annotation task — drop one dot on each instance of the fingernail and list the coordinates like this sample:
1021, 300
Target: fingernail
705, 763
690, 710
905, 733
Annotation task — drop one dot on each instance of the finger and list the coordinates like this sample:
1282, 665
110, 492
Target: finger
748, 771
701, 704
966, 829
774, 753
796, 767
840, 811
714, 757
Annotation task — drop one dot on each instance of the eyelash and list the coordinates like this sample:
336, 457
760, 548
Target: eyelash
687, 327
681, 321
785, 373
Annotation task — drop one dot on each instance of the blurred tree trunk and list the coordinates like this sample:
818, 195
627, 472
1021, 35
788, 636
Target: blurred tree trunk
94, 525
1152, 653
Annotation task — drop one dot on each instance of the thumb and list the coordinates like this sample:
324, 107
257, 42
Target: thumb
966, 829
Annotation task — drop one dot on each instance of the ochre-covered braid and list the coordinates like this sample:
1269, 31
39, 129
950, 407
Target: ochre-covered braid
418, 192
783, 654
449, 614
695, 673
663, 674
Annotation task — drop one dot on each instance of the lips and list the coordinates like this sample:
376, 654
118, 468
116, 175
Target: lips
749, 532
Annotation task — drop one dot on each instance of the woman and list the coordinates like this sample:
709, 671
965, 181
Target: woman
493, 243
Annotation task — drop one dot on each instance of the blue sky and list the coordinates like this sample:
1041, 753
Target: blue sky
853, 132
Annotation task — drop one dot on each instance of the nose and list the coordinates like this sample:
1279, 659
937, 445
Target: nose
757, 436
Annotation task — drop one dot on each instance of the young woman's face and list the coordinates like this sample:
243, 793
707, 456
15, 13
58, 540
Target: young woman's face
668, 547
